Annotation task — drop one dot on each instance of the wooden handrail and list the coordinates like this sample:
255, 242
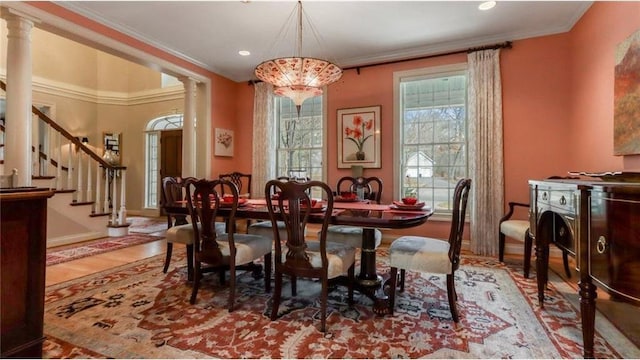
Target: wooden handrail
67, 135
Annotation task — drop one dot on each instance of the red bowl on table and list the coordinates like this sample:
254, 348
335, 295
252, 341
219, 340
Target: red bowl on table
409, 200
347, 195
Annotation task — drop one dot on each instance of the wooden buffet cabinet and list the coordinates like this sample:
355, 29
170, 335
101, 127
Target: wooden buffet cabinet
23, 242
599, 224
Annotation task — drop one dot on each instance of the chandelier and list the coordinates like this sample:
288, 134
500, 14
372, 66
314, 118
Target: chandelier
297, 77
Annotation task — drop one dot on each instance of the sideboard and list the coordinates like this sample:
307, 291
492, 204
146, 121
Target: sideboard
598, 223
23, 242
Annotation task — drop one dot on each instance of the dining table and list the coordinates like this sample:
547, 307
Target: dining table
353, 213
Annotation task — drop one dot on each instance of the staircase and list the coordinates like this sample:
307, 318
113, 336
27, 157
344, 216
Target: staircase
89, 200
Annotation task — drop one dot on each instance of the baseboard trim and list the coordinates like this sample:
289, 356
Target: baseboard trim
75, 238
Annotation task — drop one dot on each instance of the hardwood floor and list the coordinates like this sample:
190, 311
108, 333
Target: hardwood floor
92, 264
626, 316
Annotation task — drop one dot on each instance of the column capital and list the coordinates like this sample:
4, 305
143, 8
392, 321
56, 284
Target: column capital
9, 13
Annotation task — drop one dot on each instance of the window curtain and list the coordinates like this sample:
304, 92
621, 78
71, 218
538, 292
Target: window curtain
485, 150
264, 146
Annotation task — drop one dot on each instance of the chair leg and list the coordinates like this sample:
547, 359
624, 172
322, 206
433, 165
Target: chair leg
196, 283
393, 282
451, 294
190, 262
402, 274
528, 244
275, 299
501, 246
565, 260
232, 285
267, 272
323, 304
167, 259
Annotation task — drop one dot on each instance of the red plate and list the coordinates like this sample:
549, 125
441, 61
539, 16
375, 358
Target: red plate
344, 199
402, 206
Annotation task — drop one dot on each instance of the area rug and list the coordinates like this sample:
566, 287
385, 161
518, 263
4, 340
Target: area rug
136, 311
147, 225
94, 247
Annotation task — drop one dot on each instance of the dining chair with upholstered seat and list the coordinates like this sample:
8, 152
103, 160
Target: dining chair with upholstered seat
371, 190
297, 257
179, 230
222, 251
518, 230
173, 191
263, 228
429, 255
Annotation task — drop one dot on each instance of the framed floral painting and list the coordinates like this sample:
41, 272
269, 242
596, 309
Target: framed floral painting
223, 142
359, 137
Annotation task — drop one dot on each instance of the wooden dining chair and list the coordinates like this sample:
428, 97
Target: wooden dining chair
371, 188
263, 228
515, 229
223, 251
242, 182
297, 257
518, 229
178, 228
423, 254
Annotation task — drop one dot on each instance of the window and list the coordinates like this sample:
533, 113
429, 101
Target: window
431, 128
300, 150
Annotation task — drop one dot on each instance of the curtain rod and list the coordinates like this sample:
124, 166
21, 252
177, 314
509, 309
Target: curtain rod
504, 45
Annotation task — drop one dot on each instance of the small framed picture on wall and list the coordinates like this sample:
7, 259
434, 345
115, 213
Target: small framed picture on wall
223, 142
359, 137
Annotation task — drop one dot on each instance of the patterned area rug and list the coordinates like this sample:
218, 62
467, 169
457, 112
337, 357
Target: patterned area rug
147, 225
136, 311
142, 230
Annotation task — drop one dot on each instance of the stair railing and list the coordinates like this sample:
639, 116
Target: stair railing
84, 171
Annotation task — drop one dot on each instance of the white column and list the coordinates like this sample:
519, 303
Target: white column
18, 124
188, 128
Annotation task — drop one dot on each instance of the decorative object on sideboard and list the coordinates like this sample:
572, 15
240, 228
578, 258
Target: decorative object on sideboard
626, 97
298, 77
613, 176
359, 137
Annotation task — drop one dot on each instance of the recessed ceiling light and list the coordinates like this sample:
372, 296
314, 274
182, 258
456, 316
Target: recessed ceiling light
244, 53
487, 5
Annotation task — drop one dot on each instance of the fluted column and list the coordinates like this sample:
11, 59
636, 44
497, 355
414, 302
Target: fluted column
188, 128
18, 124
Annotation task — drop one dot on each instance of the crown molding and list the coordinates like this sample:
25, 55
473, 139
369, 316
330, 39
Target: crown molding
74, 92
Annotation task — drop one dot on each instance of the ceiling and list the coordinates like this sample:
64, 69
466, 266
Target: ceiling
350, 33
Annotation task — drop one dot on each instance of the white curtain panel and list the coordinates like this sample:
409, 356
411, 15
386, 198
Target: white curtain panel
264, 146
485, 150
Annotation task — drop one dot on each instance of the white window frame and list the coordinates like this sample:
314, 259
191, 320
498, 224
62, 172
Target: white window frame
323, 166
416, 74
152, 180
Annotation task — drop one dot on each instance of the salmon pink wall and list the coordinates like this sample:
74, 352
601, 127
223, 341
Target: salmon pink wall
224, 115
593, 44
535, 104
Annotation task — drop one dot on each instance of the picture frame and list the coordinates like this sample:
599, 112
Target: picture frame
223, 142
626, 95
359, 137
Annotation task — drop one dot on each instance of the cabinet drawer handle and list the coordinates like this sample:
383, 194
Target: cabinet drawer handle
563, 200
601, 245
544, 196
